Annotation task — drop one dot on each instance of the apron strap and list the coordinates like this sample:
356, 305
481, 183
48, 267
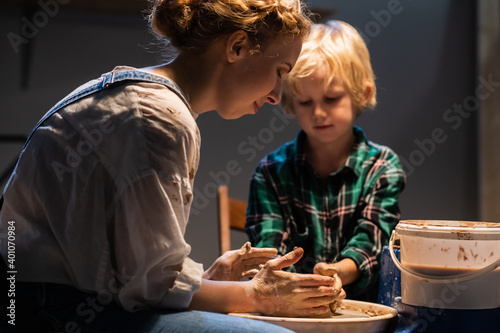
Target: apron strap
105, 81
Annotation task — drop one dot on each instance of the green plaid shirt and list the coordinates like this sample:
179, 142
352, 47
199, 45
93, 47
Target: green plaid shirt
350, 214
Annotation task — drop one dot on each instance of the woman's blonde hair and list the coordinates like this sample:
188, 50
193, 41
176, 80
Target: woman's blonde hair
337, 48
190, 25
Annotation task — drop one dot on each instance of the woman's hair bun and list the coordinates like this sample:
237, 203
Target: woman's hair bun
192, 24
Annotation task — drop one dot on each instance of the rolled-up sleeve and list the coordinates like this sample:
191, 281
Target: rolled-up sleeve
152, 255
153, 209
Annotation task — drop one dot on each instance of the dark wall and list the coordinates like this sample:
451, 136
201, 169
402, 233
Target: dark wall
424, 57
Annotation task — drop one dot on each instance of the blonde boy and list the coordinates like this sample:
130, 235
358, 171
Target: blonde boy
330, 191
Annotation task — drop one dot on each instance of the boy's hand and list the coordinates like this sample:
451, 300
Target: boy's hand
323, 268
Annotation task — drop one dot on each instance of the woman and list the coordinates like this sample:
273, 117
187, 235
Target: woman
101, 194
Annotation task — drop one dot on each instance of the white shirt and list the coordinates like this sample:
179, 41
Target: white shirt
101, 195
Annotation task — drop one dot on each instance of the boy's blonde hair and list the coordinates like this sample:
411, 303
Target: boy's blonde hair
338, 48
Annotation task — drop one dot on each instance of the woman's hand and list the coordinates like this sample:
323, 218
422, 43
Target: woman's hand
280, 293
233, 265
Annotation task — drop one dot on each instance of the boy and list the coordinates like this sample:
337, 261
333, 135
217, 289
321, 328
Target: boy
330, 191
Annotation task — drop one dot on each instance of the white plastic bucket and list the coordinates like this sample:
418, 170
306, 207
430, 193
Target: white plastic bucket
448, 264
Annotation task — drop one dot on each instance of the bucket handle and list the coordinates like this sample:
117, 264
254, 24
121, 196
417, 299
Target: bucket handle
439, 279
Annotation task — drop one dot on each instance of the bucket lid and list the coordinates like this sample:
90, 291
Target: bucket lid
464, 230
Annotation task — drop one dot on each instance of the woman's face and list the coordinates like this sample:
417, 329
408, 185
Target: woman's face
257, 79
326, 115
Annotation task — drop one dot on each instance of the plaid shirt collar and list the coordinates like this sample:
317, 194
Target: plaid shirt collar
353, 162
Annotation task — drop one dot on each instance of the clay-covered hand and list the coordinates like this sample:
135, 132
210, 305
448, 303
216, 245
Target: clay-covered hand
325, 269
233, 265
280, 293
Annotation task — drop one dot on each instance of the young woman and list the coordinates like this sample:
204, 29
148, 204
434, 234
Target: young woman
101, 194
330, 191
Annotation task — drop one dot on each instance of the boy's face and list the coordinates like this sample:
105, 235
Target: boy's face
326, 115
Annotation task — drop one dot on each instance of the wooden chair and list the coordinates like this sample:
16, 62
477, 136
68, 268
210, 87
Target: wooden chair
232, 216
